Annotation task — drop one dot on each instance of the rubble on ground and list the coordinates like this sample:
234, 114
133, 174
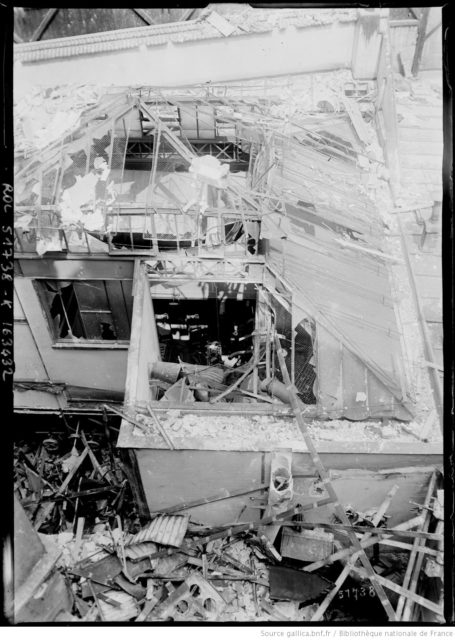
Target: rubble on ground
255, 431
170, 567
59, 480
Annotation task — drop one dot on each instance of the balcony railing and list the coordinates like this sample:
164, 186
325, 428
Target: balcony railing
134, 228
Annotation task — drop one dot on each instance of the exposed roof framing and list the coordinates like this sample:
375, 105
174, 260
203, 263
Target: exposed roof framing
324, 233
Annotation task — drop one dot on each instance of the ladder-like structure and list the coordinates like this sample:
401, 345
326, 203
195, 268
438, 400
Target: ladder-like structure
359, 552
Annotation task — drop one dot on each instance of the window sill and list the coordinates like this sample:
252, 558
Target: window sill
91, 344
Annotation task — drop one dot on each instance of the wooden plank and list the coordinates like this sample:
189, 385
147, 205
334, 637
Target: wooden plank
204, 408
325, 478
183, 506
428, 349
347, 569
355, 115
73, 471
408, 547
361, 529
417, 542
416, 558
126, 417
331, 595
423, 602
160, 427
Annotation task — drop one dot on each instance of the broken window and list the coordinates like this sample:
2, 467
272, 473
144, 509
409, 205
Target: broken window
304, 366
208, 332
88, 310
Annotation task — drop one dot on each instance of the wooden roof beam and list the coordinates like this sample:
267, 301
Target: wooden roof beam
45, 22
144, 15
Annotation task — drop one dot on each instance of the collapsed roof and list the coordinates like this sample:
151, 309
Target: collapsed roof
307, 171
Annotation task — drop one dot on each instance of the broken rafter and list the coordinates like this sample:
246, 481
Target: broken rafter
347, 569
126, 417
410, 595
325, 478
343, 553
427, 343
232, 530
332, 594
160, 427
404, 608
186, 153
45, 157
225, 496
359, 529
182, 150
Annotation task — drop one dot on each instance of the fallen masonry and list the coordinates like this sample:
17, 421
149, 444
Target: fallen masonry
227, 323
289, 563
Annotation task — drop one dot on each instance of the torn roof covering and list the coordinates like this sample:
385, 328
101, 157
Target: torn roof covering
80, 174
60, 136
237, 21
314, 194
333, 259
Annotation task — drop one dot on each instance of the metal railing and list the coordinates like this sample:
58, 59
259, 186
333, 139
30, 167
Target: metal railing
129, 227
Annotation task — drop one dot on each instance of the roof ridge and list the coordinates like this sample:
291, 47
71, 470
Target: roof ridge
100, 36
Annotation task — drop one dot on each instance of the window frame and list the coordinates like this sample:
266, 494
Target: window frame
82, 342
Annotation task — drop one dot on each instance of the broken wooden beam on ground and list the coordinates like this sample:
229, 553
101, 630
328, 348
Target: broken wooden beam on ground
351, 562
223, 496
160, 427
404, 607
325, 478
127, 418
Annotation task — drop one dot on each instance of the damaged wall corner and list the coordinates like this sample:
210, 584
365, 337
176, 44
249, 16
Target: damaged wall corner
40, 591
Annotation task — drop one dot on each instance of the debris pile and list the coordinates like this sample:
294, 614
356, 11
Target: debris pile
174, 565
43, 116
175, 570
277, 568
257, 431
60, 481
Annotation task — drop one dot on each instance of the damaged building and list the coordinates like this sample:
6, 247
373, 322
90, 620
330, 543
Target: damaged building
227, 320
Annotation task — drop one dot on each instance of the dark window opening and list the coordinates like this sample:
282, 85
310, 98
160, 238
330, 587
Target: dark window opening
89, 310
203, 332
304, 371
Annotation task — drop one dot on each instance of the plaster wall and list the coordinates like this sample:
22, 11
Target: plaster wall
37, 359
171, 477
